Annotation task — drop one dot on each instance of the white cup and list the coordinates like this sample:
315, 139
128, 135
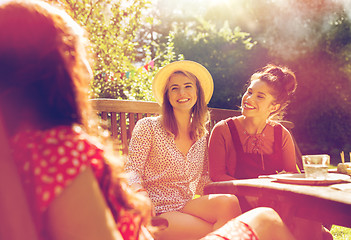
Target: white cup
316, 166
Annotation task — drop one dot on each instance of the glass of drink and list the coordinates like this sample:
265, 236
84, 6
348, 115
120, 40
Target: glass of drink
316, 166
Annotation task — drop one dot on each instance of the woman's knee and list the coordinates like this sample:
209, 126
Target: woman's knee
183, 226
266, 223
262, 217
228, 203
268, 215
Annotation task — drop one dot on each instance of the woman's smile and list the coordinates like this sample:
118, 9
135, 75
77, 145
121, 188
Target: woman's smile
248, 106
182, 92
183, 100
257, 100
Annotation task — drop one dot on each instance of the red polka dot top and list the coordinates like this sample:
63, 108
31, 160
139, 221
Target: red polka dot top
48, 161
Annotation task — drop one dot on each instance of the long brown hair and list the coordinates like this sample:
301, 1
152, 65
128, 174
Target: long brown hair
45, 75
199, 113
42, 65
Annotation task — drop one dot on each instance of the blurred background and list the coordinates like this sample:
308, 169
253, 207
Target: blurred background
132, 39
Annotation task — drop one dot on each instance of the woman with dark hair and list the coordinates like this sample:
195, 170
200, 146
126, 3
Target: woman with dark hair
254, 143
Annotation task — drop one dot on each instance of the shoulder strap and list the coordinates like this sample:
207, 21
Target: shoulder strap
235, 136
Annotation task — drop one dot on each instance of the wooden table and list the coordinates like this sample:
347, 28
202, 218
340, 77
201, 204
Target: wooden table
319, 203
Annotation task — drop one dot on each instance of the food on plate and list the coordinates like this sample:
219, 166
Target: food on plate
344, 168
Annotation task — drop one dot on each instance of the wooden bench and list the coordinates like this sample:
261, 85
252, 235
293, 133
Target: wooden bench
122, 116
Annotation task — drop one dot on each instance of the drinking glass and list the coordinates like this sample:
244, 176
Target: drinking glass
316, 166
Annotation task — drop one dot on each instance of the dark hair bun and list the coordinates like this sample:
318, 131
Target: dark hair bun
283, 77
282, 82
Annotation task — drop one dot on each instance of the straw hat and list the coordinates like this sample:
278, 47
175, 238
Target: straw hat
160, 81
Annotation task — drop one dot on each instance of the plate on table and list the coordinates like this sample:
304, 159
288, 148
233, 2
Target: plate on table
299, 178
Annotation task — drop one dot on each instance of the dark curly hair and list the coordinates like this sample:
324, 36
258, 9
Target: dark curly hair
283, 83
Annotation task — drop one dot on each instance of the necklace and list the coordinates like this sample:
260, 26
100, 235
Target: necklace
257, 133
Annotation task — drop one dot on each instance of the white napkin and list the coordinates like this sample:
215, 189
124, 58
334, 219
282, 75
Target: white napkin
342, 186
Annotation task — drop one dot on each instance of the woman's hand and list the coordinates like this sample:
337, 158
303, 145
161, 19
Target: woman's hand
138, 188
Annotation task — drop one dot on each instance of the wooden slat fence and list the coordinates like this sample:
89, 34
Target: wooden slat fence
122, 116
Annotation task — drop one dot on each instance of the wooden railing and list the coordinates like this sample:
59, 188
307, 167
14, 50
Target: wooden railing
123, 114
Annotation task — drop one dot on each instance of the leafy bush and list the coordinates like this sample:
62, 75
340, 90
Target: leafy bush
113, 26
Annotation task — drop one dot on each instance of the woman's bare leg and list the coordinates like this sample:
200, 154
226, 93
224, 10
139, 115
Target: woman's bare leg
200, 216
216, 209
183, 226
267, 224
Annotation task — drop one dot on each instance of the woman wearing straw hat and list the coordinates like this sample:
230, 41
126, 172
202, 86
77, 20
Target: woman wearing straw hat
168, 154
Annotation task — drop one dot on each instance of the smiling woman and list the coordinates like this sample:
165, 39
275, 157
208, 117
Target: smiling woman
254, 144
168, 154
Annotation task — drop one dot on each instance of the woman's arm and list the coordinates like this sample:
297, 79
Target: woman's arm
288, 151
205, 177
80, 212
15, 219
217, 153
139, 149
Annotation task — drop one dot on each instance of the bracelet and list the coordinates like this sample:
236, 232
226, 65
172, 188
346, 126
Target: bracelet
141, 190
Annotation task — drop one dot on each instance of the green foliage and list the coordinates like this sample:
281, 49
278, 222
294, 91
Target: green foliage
341, 233
314, 40
337, 41
113, 26
322, 107
233, 40
225, 52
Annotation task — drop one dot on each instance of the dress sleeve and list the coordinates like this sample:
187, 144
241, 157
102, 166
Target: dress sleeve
139, 149
288, 151
217, 153
56, 161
